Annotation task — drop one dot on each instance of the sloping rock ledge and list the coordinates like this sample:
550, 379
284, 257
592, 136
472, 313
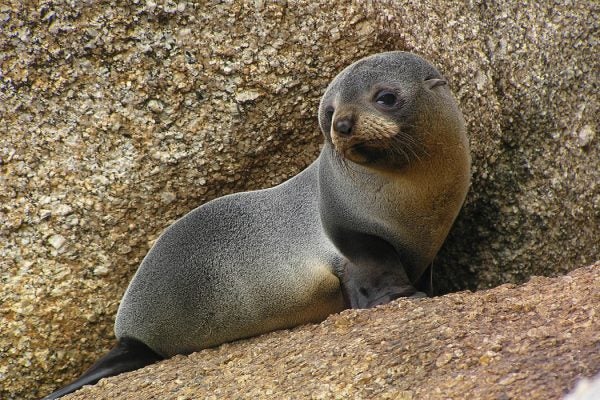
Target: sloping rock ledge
533, 341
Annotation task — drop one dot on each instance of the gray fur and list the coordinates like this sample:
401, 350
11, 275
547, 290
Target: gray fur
235, 267
254, 262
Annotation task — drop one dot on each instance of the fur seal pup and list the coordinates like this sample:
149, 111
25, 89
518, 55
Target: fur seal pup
357, 228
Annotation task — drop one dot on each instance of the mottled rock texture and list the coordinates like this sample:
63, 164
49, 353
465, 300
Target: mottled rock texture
528, 342
117, 119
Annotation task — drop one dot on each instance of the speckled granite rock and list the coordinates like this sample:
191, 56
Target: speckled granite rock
528, 342
116, 120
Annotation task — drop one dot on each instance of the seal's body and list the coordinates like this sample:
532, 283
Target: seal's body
357, 228
238, 266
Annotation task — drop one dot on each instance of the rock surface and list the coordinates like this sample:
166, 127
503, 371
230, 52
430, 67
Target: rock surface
116, 120
528, 342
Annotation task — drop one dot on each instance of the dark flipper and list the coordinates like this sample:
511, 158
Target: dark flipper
371, 272
127, 355
375, 275
370, 285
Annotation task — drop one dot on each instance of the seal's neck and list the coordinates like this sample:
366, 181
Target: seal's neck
411, 210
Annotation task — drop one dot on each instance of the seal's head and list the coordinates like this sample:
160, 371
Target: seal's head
388, 111
391, 122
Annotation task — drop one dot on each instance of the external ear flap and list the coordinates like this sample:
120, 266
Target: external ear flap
435, 82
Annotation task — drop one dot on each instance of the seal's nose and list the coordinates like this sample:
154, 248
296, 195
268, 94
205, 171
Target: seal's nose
344, 126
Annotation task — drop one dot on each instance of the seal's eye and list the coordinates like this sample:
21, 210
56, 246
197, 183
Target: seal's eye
386, 98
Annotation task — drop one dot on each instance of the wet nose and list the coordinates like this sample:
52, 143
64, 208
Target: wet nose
344, 126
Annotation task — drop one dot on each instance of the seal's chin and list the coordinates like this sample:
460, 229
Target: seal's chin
372, 154
363, 153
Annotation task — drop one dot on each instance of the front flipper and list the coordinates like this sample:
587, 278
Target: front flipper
369, 284
371, 272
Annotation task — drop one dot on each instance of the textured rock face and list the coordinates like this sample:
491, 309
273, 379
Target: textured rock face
530, 342
115, 121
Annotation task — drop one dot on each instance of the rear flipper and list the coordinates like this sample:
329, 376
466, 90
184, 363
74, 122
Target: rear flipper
127, 355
